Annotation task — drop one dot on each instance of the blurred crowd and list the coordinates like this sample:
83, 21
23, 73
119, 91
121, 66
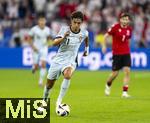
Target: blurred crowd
18, 16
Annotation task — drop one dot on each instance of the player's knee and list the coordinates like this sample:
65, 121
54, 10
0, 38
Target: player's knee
115, 73
67, 75
36, 66
43, 65
126, 72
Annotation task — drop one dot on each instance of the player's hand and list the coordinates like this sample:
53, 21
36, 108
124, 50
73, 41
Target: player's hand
67, 34
103, 49
85, 53
35, 49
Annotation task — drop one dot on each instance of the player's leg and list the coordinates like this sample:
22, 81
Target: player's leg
67, 73
126, 69
43, 59
53, 74
126, 80
35, 68
47, 88
116, 66
35, 65
42, 72
110, 79
47, 91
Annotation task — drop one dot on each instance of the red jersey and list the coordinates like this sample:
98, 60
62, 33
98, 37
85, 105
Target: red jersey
120, 37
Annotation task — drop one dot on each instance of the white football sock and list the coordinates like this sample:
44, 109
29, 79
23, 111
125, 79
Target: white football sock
42, 75
64, 86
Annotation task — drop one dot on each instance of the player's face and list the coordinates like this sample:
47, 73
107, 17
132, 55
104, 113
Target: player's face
75, 24
42, 22
124, 21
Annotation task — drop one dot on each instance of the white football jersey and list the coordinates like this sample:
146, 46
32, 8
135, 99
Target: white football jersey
68, 49
40, 36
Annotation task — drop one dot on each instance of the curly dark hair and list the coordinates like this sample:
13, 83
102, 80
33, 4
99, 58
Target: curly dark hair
125, 14
77, 14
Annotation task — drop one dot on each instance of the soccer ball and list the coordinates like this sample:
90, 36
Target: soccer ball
63, 110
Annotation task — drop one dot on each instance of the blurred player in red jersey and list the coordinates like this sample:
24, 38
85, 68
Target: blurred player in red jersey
121, 34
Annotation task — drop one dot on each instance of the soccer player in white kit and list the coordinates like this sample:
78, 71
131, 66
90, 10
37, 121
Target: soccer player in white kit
39, 36
69, 40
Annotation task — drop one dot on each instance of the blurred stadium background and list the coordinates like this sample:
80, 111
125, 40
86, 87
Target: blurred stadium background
18, 16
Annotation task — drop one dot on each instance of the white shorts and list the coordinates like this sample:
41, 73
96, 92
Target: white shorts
40, 56
56, 69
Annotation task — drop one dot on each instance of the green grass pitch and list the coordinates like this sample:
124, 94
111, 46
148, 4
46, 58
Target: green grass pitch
86, 96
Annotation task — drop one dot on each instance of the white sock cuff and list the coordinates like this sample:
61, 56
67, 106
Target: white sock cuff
42, 71
65, 83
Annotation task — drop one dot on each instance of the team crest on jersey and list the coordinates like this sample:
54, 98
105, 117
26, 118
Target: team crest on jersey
128, 32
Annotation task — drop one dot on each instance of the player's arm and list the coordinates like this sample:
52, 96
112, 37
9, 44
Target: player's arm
30, 40
130, 37
110, 33
104, 46
58, 41
86, 51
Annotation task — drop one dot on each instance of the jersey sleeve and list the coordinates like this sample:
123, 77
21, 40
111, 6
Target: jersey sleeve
31, 32
111, 30
61, 32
